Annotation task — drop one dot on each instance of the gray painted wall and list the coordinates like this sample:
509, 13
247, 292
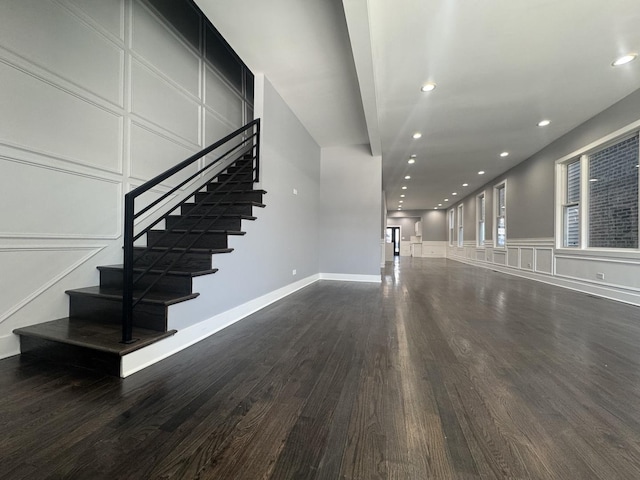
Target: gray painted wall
264, 259
350, 205
434, 226
407, 226
530, 184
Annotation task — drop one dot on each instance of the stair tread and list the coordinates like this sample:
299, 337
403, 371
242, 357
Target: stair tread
94, 335
174, 273
231, 202
220, 216
207, 251
161, 298
184, 230
250, 190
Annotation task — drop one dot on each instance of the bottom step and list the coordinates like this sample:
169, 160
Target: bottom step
84, 344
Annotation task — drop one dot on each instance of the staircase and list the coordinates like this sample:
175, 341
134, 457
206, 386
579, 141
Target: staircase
180, 245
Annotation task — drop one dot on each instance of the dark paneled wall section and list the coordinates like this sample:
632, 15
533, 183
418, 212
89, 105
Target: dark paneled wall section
188, 19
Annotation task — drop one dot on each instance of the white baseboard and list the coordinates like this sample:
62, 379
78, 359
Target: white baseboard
9, 345
603, 291
147, 356
348, 277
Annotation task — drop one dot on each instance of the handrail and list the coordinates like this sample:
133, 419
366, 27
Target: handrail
249, 143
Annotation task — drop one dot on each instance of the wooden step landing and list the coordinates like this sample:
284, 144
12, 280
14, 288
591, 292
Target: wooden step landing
93, 345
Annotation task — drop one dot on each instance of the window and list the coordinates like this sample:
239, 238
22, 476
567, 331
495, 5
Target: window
460, 227
571, 207
452, 224
500, 196
599, 192
480, 219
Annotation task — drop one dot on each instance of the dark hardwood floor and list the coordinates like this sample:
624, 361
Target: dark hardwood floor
445, 371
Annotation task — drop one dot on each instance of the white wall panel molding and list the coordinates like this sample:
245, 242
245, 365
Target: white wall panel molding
68, 211
95, 63
106, 17
156, 99
527, 258
346, 277
611, 272
151, 153
544, 260
165, 52
9, 346
513, 257
61, 124
60, 262
434, 249
526, 242
221, 98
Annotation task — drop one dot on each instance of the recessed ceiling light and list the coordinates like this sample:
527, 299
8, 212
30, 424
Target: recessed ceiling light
465, 184
427, 87
624, 59
481, 172
454, 193
399, 208
435, 208
404, 187
411, 161
413, 156
544, 123
446, 199
402, 196
504, 154
593, 179
407, 177
417, 135
401, 201
439, 204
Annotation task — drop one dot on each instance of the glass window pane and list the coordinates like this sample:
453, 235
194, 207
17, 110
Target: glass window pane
571, 226
573, 182
502, 231
613, 196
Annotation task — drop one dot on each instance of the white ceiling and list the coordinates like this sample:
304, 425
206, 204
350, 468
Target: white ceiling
499, 66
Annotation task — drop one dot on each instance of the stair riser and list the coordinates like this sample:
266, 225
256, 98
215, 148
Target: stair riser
237, 177
222, 187
204, 223
153, 317
73, 355
188, 262
213, 197
170, 284
221, 209
207, 240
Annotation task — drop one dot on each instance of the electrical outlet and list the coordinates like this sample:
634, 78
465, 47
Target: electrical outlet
528, 265
294, 272
600, 276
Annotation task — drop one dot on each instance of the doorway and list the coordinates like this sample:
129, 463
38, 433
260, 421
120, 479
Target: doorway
393, 237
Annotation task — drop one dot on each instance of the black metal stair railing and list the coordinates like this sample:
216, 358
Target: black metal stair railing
244, 143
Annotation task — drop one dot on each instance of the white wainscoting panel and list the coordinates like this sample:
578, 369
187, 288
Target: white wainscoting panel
513, 257
526, 258
500, 257
46, 34
35, 268
54, 122
162, 49
544, 260
434, 249
158, 101
109, 15
153, 153
67, 206
222, 98
616, 272
481, 254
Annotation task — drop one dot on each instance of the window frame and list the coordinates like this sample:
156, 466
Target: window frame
496, 213
460, 225
481, 218
451, 226
583, 153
